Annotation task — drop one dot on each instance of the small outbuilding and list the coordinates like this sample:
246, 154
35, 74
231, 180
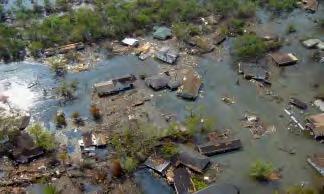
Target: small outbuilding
168, 55
130, 42
162, 33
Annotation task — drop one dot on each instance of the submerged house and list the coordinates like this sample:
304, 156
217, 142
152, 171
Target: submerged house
115, 86
162, 33
213, 148
166, 54
316, 126
317, 162
253, 71
284, 59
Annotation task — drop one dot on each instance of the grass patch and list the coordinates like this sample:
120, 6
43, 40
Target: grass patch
199, 184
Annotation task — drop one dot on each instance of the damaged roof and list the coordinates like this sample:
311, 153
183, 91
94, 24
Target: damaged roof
168, 55
191, 86
317, 161
115, 86
283, 59
162, 33
317, 125
157, 82
192, 160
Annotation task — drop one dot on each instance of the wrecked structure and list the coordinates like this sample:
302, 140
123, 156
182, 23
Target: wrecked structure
92, 140
222, 146
191, 85
115, 86
64, 49
24, 149
254, 71
192, 160
316, 126
284, 59
158, 82
317, 162
167, 55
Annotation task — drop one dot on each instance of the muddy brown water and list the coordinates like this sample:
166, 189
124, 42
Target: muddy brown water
220, 77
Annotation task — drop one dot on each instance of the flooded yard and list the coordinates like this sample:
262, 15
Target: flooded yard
220, 78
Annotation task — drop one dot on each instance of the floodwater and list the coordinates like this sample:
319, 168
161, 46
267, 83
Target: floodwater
220, 79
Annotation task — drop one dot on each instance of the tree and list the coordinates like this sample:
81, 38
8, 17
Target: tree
67, 90
261, 170
42, 138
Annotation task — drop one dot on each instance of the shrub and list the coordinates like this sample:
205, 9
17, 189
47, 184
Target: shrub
247, 9
236, 25
50, 189
169, 149
183, 31
283, 5
60, 120
291, 29
67, 90
199, 184
43, 138
249, 46
225, 7
261, 170
130, 164
95, 112
76, 118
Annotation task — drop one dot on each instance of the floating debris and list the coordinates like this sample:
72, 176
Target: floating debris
157, 163
298, 103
